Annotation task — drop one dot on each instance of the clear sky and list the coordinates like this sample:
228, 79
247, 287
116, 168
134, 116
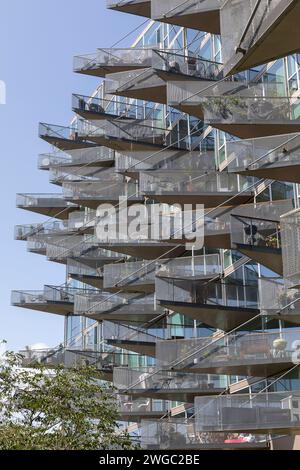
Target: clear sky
38, 40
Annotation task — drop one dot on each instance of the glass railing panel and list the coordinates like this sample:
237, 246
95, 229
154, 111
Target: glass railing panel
41, 200
277, 299
22, 232
198, 266
78, 269
134, 80
176, 62
152, 378
119, 58
142, 405
108, 189
263, 411
20, 298
255, 232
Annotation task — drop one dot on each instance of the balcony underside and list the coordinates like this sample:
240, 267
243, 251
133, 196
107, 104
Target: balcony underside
66, 144
126, 317
182, 394
155, 94
267, 256
261, 428
138, 416
140, 8
215, 316
61, 213
250, 130
94, 163
146, 251
229, 365
219, 240
94, 281
94, 203
146, 288
93, 115
145, 348
287, 172
124, 144
208, 21
280, 38
102, 70
56, 308
209, 200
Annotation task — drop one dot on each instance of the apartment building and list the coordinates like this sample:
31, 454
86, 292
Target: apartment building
202, 110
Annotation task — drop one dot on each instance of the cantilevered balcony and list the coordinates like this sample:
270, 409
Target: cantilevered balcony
103, 361
145, 249
197, 268
218, 305
181, 433
130, 308
210, 189
262, 354
242, 109
23, 232
57, 300
108, 190
85, 274
276, 157
200, 15
121, 134
135, 7
64, 138
106, 61
95, 109
257, 33
51, 205
269, 412
82, 249
279, 301
167, 385
258, 235
130, 277
91, 156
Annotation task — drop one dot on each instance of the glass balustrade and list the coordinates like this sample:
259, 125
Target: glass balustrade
42, 200
108, 189
255, 232
279, 300
198, 267
129, 274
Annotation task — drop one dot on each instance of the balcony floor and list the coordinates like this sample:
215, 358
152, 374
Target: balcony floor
185, 395
209, 200
142, 8
145, 348
281, 171
146, 251
56, 308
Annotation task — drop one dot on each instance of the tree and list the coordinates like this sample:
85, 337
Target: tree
56, 409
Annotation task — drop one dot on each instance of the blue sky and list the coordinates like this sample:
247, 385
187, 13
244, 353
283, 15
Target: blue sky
38, 40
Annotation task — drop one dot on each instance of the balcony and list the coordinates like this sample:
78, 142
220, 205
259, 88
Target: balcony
94, 156
95, 109
218, 305
108, 190
80, 249
135, 7
56, 300
166, 385
64, 138
241, 109
278, 301
197, 268
199, 15
126, 135
263, 354
277, 158
144, 249
263, 32
183, 187
143, 84
180, 433
290, 229
87, 275
130, 308
106, 61
51, 205
275, 412
257, 237
130, 277
23, 232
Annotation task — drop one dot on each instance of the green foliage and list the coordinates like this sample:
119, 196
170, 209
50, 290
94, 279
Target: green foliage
56, 409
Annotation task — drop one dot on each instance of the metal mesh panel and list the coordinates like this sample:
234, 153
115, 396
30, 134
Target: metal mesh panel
276, 298
290, 234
